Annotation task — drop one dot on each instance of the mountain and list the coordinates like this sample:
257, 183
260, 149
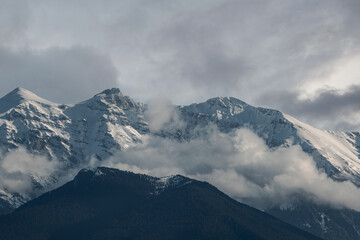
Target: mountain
19, 96
323, 221
75, 134
111, 121
107, 203
72, 133
337, 153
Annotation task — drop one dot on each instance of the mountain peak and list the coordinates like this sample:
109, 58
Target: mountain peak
103, 172
153, 185
225, 101
110, 91
113, 96
17, 96
111, 172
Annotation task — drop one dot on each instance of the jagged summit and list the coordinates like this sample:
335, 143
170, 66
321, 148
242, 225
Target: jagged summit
20, 95
219, 107
112, 97
110, 91
226, 101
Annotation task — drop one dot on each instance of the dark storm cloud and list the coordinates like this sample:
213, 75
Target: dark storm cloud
14, 16
246, 48
187, 50
332, 108
64, 75
114, 28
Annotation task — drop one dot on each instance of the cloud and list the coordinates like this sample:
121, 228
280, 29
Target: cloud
14, 17
241, 165
64, 75
330, 108
162, 115
20, 171
238, 163
188, 50
116, 28
246, 48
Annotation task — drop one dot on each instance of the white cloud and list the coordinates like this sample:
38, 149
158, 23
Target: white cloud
19, 169
238, 163
161, 114
241, 165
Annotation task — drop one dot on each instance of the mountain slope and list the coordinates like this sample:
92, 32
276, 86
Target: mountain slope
111, 204
336, 153
336, 150
321, 220
19, 96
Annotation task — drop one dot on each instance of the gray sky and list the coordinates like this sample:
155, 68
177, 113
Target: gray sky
298, 56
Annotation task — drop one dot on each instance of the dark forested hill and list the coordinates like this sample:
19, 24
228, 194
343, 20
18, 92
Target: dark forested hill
111, 204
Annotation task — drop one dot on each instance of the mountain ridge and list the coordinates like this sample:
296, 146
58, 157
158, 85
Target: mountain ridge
111, 121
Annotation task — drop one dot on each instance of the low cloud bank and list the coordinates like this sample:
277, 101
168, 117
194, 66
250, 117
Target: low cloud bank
20, 171
241, 165
238, 163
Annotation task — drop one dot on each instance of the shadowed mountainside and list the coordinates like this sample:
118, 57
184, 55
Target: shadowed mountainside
111, 204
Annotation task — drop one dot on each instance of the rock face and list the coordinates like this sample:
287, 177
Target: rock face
111, 204
109, 122
324, 221
71, 133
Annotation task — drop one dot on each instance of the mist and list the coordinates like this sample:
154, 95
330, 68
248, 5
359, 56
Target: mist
161, 114
241, 165
20, 171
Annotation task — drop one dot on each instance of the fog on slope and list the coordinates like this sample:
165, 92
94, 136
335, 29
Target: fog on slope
240, 164
20, 171
162, 115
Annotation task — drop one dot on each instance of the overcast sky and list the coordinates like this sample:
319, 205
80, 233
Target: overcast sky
301, 57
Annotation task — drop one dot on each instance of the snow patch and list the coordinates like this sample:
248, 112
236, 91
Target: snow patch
163, 183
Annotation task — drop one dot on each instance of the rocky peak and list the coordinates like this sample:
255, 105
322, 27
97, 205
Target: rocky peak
19, 96
225, 102
110, 91
114, 96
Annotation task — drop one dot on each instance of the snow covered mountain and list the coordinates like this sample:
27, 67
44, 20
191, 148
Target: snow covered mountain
110, 122
70, 133
334, 152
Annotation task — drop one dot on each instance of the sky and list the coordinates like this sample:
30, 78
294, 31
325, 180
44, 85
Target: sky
297, 56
